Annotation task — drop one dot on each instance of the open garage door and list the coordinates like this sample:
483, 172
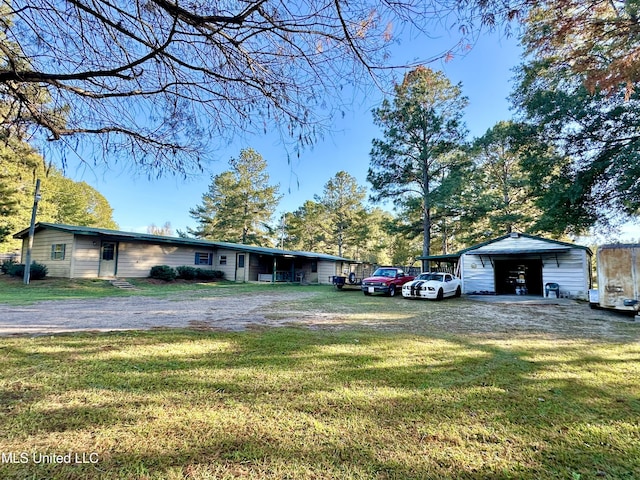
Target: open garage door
513, 273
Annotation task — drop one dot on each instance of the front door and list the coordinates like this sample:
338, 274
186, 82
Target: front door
240, 266
108, 258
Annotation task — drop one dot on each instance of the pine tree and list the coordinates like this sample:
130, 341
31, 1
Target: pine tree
240, 202
422, 135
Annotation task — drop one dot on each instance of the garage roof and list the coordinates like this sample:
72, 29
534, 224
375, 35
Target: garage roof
484, 248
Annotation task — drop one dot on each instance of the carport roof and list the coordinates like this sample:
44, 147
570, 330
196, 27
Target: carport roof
118, 235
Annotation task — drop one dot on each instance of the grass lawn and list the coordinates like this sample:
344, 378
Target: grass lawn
14, 292
340, 403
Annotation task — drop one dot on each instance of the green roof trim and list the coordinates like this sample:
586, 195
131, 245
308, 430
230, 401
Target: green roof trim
510, 252
146, 237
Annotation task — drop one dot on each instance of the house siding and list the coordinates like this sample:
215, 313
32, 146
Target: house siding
41, 252
86, 257
326, 270
229, 269
135, 259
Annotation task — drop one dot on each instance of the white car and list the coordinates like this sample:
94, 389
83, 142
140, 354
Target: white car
433, 285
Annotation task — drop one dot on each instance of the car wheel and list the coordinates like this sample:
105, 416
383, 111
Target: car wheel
440, 295
458, 292
366, 293
392, 291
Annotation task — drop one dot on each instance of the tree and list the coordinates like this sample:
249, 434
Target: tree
597, 143
63, 200
499, 196
423, 133
343, 201
164, 230
306, 228
75, 203
156, 80
597, 40
239, 203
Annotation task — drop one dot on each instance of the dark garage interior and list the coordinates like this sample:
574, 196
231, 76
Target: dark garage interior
518, 276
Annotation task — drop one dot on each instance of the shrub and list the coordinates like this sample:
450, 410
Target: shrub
6, 266
218, 274
163, 272
186, 272
38, 271
16, 270
210, 274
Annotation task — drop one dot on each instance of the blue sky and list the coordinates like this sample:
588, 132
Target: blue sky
485, 72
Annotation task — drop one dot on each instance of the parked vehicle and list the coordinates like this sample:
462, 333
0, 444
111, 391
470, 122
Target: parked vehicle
433, 285
386, 280
351, 277
618, 272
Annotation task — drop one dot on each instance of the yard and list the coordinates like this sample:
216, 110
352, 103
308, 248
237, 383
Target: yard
348, 387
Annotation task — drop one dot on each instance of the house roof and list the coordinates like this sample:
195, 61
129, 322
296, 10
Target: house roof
145, 237
484, 248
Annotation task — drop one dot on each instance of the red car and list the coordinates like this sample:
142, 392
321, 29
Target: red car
386, 280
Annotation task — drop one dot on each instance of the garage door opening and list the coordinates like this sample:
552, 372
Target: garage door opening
515, 275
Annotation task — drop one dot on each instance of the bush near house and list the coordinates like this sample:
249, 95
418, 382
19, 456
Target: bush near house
210, 274
187, 273
184, 272
7, 265
38, 271
163, 272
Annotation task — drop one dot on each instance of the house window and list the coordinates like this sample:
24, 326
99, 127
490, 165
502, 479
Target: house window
314, 266
241, 260
57, 251
223, 259
204, 258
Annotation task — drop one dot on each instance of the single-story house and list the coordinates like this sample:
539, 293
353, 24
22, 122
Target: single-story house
517, 263
86, 252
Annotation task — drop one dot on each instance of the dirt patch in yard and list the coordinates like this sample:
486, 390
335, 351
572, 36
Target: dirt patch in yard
277, 309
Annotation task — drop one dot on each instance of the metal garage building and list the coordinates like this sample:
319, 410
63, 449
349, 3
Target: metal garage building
517, 263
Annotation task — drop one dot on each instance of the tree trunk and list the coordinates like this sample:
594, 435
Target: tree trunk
426, 212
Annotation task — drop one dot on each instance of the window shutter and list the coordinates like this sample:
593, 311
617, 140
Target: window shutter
210, 258
53, 251
196, 259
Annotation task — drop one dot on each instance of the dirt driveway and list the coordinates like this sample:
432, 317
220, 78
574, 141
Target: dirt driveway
128, 313
274, 309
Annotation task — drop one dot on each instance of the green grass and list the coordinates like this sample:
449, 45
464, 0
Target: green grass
14, 292
394, 390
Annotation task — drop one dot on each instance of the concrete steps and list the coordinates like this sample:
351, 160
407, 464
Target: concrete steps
122, 284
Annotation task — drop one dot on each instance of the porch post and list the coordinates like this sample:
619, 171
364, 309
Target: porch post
275, 265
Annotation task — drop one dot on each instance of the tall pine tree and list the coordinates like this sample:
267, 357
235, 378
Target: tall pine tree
240, 202
422, 135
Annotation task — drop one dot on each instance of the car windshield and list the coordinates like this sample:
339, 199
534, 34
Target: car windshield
385, 272
431, 276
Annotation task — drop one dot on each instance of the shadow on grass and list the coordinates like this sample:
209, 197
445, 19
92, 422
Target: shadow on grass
288, 402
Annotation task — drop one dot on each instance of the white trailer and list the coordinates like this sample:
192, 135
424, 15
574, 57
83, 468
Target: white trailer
618, 273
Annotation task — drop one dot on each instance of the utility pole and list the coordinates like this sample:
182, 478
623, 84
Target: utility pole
282, 227
32, 231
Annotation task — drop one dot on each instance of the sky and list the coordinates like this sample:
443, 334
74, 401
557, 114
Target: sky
485, 71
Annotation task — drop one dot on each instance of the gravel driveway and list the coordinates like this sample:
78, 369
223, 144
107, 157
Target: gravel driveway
126, 313
495, 316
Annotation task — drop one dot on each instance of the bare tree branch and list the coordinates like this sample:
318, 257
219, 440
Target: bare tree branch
165, 73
